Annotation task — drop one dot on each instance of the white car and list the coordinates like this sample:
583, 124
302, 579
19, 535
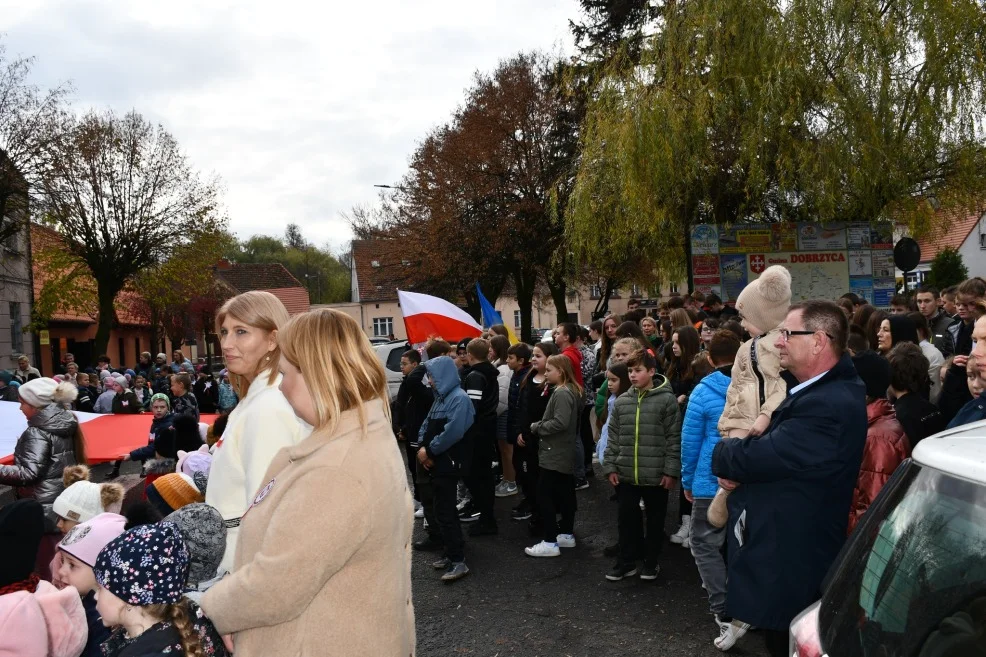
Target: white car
911, 580
389, 354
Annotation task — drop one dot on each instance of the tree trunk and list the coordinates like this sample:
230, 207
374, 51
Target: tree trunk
602, 306
559, 289
107, 316
525, 280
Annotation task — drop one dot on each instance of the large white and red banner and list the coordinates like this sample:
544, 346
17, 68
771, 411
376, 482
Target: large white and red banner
427, 317
106, 437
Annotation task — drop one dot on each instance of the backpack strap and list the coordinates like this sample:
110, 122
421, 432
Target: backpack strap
756, 370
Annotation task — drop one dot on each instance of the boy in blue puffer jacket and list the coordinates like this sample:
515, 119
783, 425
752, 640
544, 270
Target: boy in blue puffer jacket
699, 436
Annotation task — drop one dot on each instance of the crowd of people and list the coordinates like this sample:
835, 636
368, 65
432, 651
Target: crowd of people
216, 557
775, 424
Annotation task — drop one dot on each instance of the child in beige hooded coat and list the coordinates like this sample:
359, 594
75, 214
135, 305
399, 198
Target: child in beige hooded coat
756, 388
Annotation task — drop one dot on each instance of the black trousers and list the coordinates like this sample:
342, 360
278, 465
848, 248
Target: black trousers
526, 466
411, 451
447, 516
425, 492
633, 540
585, 434
556, 495
480, 481
683, 504
776, 643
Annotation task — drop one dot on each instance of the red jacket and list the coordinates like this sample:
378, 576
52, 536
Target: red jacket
886, 447
575, 356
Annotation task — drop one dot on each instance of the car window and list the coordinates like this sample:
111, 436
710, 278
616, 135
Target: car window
394, 359
917, 566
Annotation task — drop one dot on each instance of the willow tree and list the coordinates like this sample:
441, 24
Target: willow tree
124, 197
761, 110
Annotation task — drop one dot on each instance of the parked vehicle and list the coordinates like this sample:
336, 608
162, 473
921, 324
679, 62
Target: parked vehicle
911, 580
389, 354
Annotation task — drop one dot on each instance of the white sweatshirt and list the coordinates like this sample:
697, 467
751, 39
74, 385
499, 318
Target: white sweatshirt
261, 424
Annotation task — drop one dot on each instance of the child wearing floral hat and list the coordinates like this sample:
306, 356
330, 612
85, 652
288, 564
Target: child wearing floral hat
140, 577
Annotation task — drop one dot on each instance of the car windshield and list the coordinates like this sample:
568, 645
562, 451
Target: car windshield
914, 574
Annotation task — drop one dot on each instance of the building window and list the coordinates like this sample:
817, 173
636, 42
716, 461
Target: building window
595, 292
674, 288
122, 352
16, 329
383, 326
137, 349
654, 292
634, 290
516, 319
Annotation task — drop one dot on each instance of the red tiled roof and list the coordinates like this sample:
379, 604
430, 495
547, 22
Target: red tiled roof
955, 226
128, 303
378, 268
295, 299
244, 277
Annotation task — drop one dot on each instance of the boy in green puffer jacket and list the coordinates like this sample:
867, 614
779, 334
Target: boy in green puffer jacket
644, 457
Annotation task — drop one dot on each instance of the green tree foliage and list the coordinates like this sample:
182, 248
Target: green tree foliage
125, 199
761, 110
322, 273
947, 269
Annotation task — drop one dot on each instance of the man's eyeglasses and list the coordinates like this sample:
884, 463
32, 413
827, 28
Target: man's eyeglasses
786, 334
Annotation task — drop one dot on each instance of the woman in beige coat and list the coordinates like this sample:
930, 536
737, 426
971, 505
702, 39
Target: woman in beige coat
323, 562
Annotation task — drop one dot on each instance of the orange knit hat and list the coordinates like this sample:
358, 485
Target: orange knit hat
173, 491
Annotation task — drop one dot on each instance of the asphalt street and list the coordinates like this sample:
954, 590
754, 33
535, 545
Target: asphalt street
512, 604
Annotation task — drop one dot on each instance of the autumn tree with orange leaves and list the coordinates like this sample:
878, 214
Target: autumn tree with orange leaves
479, 200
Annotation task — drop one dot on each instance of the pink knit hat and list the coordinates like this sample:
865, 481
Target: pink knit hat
84, 541
47, 623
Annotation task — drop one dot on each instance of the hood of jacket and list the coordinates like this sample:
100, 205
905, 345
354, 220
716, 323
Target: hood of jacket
878, 410
444, 374
55, 420
661, 384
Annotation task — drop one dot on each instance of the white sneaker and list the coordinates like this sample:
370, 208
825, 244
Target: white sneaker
683, 532
419, 512
730, 633
566, 540
687, 543
543, 549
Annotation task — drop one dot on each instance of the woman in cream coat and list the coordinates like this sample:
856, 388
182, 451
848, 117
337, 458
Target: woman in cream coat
263, 422
323, 563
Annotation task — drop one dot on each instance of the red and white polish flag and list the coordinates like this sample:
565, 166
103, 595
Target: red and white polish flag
427, 317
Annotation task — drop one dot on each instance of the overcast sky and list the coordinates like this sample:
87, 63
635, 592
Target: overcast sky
300, 107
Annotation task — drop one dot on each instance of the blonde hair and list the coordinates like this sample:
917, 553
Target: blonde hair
340, 368
564, 365
259, 310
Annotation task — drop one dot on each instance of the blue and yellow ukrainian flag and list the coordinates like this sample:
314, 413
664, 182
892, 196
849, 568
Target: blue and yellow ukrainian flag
491, 316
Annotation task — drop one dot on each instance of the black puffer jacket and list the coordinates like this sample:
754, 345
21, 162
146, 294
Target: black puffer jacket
43, 451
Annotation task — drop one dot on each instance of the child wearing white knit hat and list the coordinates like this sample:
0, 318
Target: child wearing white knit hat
82, 499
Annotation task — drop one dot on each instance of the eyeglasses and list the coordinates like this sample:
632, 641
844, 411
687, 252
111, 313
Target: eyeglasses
786, 334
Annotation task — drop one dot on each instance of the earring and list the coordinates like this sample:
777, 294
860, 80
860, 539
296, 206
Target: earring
266, 357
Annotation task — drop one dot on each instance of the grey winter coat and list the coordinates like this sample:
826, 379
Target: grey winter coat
43, 451
556, 431
645, 436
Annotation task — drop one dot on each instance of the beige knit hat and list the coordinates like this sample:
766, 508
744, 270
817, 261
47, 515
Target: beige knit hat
764, 302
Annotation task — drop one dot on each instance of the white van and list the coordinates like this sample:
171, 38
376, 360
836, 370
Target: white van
911, 580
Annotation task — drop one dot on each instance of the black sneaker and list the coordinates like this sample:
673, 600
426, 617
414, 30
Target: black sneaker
522, 511
582, 484
442, 564
455, 572
484, 529
469, 513
649, 572
620, 571
428, 544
